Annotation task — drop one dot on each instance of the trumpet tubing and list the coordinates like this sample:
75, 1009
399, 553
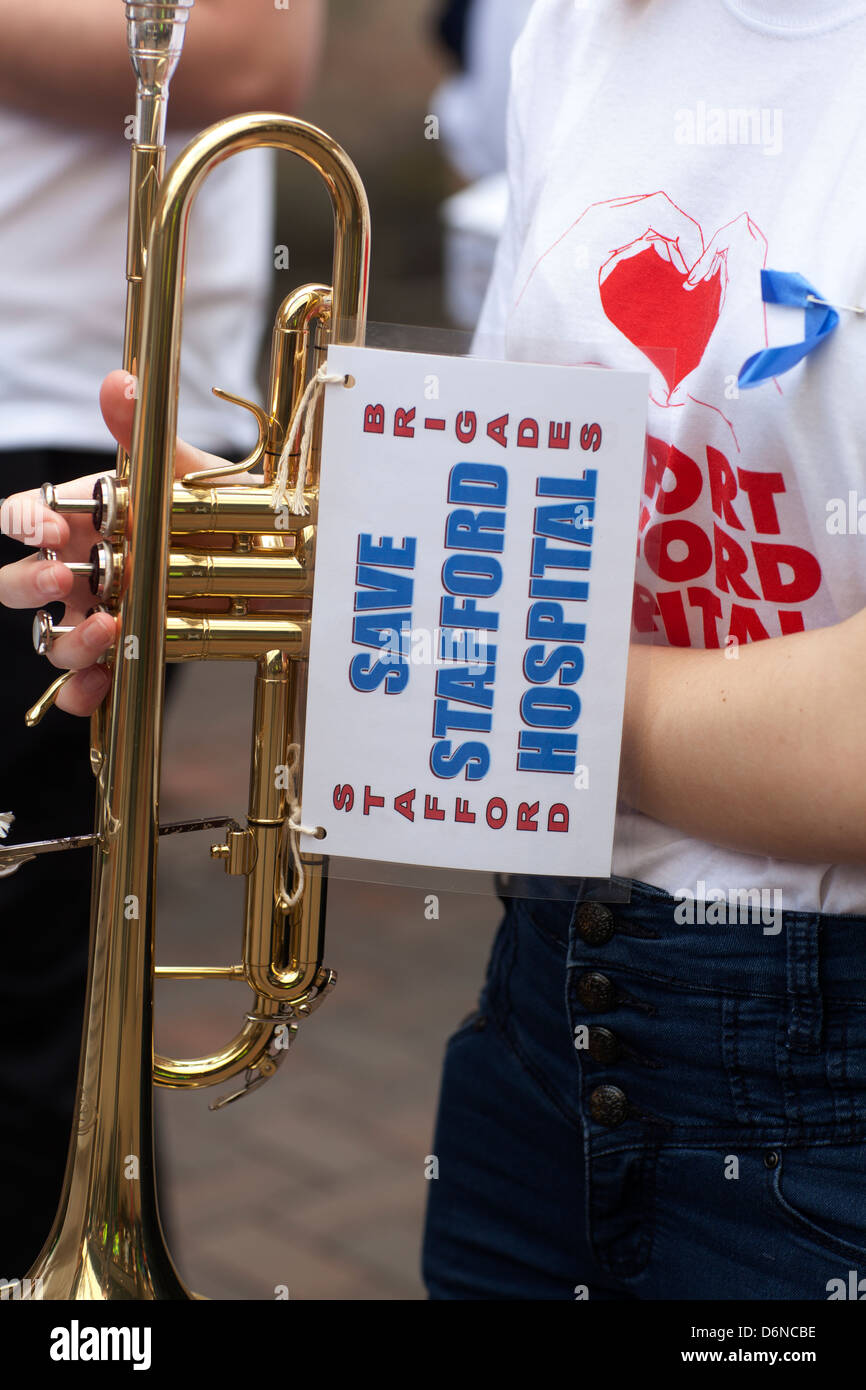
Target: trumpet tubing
162, 541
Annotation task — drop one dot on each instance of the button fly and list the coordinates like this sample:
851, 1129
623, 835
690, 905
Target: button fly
595, 923
604, 1046
608, 1106
596, 992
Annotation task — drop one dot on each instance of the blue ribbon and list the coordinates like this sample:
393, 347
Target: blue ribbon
787, 287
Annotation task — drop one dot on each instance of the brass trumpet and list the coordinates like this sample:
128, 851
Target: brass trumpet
107, 1241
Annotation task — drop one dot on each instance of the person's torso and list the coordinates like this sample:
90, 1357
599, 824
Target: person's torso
666, 136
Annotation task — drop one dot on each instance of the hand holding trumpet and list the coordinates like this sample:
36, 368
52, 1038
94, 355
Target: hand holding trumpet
36, 580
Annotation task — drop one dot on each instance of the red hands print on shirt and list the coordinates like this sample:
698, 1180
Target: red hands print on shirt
644, 266
714, 564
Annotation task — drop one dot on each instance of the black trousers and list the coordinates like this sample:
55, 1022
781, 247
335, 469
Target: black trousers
45, 779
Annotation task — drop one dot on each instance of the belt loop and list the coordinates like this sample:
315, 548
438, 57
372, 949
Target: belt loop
805, 1004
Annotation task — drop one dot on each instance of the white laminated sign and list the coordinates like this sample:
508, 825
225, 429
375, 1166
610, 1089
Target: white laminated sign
471, 616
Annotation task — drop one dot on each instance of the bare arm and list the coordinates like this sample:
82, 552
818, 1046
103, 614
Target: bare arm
765, 753
70, 61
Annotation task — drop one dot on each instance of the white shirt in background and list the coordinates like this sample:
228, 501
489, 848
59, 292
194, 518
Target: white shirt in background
63, 214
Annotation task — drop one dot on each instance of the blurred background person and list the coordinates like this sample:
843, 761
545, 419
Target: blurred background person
65, 84
470, 107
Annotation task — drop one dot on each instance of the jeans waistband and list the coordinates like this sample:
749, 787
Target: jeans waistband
743, 943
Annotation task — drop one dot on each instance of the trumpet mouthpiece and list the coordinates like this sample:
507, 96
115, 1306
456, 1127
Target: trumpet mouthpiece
155, 34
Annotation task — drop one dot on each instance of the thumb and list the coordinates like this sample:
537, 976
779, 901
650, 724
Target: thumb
117, 403
117, 397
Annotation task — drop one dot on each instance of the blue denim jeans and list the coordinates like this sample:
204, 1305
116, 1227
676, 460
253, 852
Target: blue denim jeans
642, 1108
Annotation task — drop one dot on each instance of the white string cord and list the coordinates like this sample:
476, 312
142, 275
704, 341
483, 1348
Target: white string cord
306, 412
295, 827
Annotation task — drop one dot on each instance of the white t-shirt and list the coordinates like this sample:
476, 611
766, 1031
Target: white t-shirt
63, 213
653, 138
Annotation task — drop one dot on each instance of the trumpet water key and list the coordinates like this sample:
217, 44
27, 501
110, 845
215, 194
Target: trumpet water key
158, 541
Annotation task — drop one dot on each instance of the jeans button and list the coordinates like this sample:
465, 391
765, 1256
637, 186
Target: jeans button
596, 992
603, 1045
608, 1106
595, 923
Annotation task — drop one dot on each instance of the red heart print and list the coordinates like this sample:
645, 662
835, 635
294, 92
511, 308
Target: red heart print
646, 299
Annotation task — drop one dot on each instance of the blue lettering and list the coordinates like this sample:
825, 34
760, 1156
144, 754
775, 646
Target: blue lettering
541, 667
542, 752
550, 707
472, 575
478, 484
447, 761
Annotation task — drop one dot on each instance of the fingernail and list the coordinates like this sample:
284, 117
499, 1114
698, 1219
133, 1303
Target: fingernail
94, 637
95, 682
47, 582
50, 534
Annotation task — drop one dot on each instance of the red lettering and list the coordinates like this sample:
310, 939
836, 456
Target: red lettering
723, 488
497, 813
699, 553
806, 572
590, 438
403, 427
759, 488
644, 609
559, 435
371, 801
404, 804
731, 564
791, 621
344, 798
467, 424
496, 430
674, 618
462, 812
374, 419
432, 810
711, 611
526, 816
434, 423
527, 434
746, 626
558, 818
688, 482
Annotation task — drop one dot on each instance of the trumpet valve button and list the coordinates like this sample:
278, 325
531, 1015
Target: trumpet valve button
108, 506
74, 566
104, 571
45, 632
70, 506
